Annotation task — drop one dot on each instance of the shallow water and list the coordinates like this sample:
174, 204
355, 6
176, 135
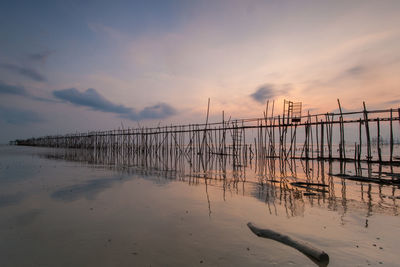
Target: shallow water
73, 208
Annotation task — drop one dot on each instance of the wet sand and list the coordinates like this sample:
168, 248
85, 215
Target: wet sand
58, 210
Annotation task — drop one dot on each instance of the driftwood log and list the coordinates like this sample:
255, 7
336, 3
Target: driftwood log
317, 255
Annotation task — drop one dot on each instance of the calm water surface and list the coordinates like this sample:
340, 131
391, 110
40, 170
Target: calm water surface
72, 208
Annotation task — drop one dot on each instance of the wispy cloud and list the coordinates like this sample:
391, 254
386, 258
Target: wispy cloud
92, 99
392, 102
24, 71
12, 89
40, 56
8, 89
268, 91
108, 31
159, 111
355, 70
19, 116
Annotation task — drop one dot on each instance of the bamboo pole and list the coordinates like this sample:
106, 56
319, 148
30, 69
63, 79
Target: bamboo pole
391, 135
322, 140
378, 141
369, 156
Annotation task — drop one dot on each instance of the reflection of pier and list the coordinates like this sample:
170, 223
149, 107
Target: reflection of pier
287, 136
291, 185
313, 185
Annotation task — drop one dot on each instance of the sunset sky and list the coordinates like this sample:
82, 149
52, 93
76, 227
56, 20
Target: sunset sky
68, 66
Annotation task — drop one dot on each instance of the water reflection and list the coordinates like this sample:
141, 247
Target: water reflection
11, 199
87, 190
292, 184
26, 218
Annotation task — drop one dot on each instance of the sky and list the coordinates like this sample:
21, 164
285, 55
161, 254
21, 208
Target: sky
78, 66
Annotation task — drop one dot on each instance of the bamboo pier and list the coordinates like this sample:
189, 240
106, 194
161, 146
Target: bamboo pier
290, 135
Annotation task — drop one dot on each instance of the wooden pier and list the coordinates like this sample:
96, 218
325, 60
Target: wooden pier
344, 136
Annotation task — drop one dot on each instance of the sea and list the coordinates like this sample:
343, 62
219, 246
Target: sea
68, 207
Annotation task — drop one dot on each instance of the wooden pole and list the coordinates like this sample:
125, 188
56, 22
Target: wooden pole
369, 157
391, 135
342, 149
360, 140
322, 141
378, 141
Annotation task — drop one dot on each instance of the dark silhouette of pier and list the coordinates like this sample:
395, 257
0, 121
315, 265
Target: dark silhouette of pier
289, 135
